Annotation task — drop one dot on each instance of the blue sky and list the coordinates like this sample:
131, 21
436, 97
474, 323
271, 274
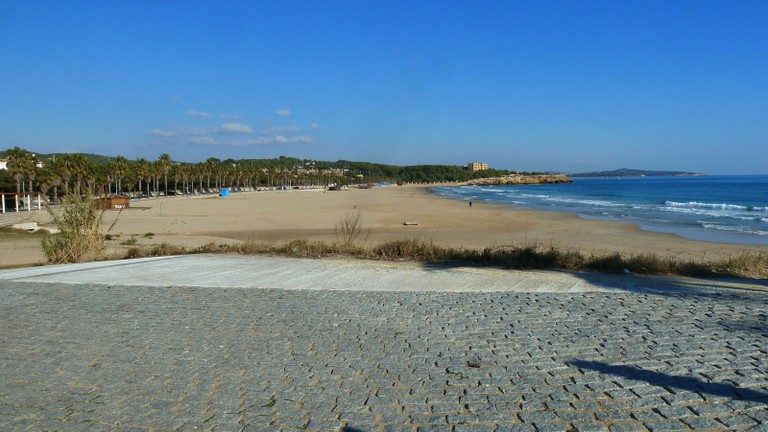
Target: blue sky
542, 85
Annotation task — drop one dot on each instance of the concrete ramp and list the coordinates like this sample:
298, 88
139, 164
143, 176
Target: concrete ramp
237, 271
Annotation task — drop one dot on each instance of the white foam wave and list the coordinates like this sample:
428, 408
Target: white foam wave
595, 203
714, 206
732, 211
733, 229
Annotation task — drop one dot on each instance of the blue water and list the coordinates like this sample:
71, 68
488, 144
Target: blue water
731, 209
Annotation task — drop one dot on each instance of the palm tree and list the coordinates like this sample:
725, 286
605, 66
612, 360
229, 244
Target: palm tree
156, 170
164, 164
130, 179
211, 167
102, 177
199, 171
89, 173
73, 167
143, 172
31, 171
53, 169
66, 168
19, 161
119, 169
181, 172
46, 179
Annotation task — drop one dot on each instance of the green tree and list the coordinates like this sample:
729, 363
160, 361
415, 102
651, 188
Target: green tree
212, 168
20, 164
164, 164
143, 170
119, 168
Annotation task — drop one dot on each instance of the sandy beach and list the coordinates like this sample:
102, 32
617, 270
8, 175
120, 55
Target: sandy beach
314, 214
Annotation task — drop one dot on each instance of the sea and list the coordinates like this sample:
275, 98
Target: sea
728, 209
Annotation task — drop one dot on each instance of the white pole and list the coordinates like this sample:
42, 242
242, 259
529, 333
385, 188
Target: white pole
2, 196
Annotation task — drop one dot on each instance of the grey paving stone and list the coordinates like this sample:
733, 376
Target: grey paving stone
737, 421
553, 427
581, 426
675, 412
196, 358
666, 426
703, 423
474, 427
627, 427
515, 428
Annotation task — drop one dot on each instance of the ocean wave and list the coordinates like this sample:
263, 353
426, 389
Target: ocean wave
731, 228
714, 206
732, 211
535, 196
596, 203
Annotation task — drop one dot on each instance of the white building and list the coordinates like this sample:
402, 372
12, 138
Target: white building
477, 166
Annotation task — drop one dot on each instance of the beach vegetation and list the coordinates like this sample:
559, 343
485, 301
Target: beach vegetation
163, 249
751, 264
79, 239
130, 242
11, 231
350, 228
525, 256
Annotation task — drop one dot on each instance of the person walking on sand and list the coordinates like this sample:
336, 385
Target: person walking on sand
470, 203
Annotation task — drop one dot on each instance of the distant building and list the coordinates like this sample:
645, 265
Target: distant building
4, 164
477, 166
338, 172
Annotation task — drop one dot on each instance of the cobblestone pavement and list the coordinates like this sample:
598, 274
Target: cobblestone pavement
84, 357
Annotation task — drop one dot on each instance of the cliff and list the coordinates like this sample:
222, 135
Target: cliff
520, 179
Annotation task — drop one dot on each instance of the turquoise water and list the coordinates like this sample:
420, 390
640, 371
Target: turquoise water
732, 209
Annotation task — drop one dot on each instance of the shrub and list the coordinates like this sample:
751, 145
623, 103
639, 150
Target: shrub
78, 239
130, 242
350, 229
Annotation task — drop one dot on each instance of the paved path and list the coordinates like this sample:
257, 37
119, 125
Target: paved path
79, 351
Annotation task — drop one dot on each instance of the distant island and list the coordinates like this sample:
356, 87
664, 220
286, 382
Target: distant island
626, 172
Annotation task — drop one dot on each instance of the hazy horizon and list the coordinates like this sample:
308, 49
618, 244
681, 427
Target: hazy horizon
527, 86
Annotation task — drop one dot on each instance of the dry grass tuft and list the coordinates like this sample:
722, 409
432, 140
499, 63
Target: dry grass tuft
79, 238
749, 264
524, 256
413, 250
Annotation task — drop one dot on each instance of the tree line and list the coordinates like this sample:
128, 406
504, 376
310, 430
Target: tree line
80, 173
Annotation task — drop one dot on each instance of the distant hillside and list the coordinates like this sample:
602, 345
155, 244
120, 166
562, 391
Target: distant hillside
94, 158
626, 172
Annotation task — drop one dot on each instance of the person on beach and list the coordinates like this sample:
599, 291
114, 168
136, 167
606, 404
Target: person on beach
470, 203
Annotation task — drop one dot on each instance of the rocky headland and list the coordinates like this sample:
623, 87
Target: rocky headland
520, 179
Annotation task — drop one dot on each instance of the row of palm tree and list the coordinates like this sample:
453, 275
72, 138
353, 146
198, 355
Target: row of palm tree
75, 173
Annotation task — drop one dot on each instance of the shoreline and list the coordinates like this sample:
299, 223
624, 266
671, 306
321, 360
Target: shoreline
281, 216
684, 230
696, 234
